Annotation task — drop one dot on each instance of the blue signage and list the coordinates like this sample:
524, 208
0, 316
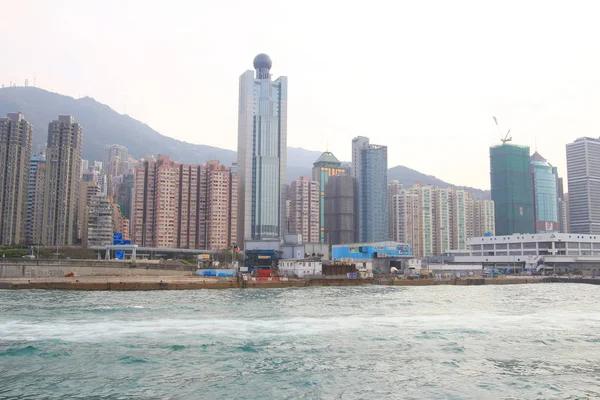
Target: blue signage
119, 255
117, 237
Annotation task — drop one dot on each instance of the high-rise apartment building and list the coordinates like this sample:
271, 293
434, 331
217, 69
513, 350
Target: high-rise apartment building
262, 153
394, 188
115, 159
217, 206
461, 224
304, 209
85, 166
63, 165
115, 162
124, 194
583, 174
37, 205
341, 210
233, 206
483, 218
434, 220
155, 221
414, 208
15, 153
100, 222
544, 180
369, 166
442, 226
326, 166
34, 166
181, 205
511, 189
87, 191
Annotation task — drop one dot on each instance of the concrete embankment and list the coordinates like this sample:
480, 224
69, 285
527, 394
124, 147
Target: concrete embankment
132, 283
60, 268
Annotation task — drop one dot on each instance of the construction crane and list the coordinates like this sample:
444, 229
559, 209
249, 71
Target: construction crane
507, 137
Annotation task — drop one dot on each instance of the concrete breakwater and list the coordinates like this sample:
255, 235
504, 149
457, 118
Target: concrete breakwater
60, 268
133, 283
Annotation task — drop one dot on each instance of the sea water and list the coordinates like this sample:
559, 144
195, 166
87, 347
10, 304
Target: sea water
370, 342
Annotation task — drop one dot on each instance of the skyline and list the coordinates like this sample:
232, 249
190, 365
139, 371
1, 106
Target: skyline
397, 81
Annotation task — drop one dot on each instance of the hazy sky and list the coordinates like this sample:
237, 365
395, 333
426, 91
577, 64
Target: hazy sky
423, 77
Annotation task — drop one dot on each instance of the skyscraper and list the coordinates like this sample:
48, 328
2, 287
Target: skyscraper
341, 210
61, 193
583, 174
262, 152
15, 154
326, 166
511, 189
545, 195
369, 167
304, 209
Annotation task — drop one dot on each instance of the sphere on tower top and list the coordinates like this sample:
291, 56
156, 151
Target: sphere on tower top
262, 61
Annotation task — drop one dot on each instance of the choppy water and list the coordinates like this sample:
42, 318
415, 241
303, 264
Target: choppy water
372, 342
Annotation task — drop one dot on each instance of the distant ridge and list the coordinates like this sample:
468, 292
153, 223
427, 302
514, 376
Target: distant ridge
102, 125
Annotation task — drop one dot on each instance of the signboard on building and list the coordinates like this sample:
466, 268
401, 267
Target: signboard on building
404, 250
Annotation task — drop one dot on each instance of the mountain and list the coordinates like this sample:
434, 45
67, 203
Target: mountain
409, 177
103, 125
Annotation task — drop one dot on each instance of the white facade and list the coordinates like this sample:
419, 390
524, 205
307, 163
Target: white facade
262, 153
300, 267
560, 252
572, 244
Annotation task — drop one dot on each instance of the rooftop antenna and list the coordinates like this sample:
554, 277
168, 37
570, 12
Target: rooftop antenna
507, 137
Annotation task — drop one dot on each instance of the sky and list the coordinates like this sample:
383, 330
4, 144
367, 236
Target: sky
424, 78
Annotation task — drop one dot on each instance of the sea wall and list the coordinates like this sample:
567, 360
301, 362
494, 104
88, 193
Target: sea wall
83, 268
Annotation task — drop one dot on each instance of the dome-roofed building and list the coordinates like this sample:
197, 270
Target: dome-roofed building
262, 64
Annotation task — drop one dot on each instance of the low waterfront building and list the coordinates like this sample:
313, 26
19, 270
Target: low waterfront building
301, 267
548, 252
377, 256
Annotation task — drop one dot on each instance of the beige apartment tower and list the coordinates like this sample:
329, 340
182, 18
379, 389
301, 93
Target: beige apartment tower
304, 209
61, 192
181, 205
15, 152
